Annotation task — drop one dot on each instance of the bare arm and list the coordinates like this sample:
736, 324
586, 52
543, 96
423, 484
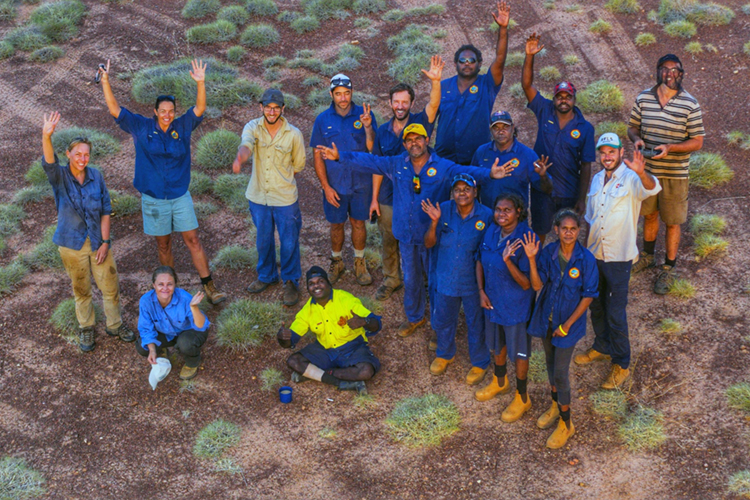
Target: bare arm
688, 146
583, 187
109, 96
634, 134
198, 73
501, 52
101, 254
435, 74
377, 181
320, 170
533, 47
50, 122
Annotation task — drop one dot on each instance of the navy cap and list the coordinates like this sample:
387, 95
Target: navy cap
272, 96
464, 178
317, 272
501, 117
668, 57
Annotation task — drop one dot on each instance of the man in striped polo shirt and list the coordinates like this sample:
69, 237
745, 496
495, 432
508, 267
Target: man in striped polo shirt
666, 122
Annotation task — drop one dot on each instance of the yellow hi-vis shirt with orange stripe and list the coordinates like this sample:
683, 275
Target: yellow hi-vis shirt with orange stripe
329, 322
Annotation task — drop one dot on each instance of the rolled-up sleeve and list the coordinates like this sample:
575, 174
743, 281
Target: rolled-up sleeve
298, 153
248, 135
590, 279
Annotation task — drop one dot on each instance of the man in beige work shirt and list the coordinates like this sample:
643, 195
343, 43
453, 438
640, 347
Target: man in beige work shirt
278, 154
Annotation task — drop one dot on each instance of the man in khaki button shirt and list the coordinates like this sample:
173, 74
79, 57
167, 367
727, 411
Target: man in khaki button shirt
278, 154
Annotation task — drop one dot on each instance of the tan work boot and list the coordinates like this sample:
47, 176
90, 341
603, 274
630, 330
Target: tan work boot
492, 390
475, 375
516, 409
590, 356
291, 293
407, 328
188, 372
335, 270
439, 365
561, 435
360, 271
432, 344
548, 418
213, 295
616, 377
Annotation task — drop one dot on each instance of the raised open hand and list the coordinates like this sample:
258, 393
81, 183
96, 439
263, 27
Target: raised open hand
198, 73
638, 164
50, 122
510, 249
533, 47
436, 68
331, 153
197, 298
541, 165
502, 18
530, 245
501, 171
366, 117
433, 211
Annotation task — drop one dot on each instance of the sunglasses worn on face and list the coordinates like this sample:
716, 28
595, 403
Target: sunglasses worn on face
467, 60
416, 184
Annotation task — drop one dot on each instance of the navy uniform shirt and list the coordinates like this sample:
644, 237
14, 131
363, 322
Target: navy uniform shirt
457, 243
409, 220
348, 133
80, 207
518, 181
566, 148
162, 159
464, 123
562, 291
511, 304
389, 144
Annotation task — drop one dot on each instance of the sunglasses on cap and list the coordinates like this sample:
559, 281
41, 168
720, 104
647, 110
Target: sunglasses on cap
341, 82
467, 60
416, 184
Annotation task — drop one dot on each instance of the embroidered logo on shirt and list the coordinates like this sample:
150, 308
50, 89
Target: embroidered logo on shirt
358, 124
514, 162
473, 89
175, 135
431, 172
479, 225
574, 272
575, 133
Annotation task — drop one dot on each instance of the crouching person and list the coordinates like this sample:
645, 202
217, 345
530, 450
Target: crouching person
340, 356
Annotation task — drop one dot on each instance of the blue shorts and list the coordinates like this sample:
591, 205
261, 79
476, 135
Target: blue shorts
163, 217
543, 210
514, 337
349, 354
356, 206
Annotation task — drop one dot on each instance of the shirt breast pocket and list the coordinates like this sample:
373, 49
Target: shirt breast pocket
331, 136
620, 200
282, 154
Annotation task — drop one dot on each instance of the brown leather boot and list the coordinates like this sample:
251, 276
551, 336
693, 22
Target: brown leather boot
213, 295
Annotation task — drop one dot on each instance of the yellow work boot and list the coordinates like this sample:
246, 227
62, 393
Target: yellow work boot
590, 356
516, 409
407, 327
561, 435
439, 365
475, 375
492, 390
548, 418
616, 377
188, 372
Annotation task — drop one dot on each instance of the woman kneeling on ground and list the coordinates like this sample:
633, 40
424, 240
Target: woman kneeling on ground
82, 234
506, 295
566, 273
170, 316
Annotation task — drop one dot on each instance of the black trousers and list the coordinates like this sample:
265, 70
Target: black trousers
188, 343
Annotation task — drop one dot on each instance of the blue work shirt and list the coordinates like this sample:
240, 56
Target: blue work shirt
456, 247
162, 159
566, 148
519, 179
387, 143
172, 320
562, 292
409, 220
511, 304
348, 133
80, 207
464, 122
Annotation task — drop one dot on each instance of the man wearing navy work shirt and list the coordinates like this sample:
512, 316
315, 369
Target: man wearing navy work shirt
468, 97
522, 166
346, 193
417, 175
566, 137
388, 142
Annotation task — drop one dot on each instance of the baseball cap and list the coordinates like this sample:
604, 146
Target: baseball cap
668, 57
565, 87
341, 80
414, 128
609, 139
468, 179
501, 117
272, 96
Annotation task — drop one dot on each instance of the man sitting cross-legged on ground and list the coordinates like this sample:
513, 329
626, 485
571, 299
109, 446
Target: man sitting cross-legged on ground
340, 356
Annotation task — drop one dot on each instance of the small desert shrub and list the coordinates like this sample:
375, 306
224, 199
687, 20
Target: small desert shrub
326, 9
59, 20
343, 65
709, 245
682, 289
574, 9
735, 137
413, 49
217, 150
549, 74
287, 16
610, 404
549, 4
327, 433
645, 39
102, 144
746, 9
600, 27
311, 81
18, 481
200, 183
8, 10
227, 465
423, 421
311, 63
681, 29
35, 175
319, 97
362, 22
64, 319
738, 396
45, 253
259, 35
10, 218
261, 7
433, 9
623, 6
740, 482
643, 430
710, 14
515, 59
352, 51
305, 24
6, 49
374, 238
32, 194
600, 97
707, 224
373, 259
11, 275
571, 60
746, 48
204, 208
537, 367
218, 31
708, 170
669, 326
236, 53
516, 91
195, 9
235, 257
216, 438
274, 62
27, 38
368, 6
374, 306
393, 16
230, 188
619, 128
694, 48
440, 34
292, 101
235, 14
46, 54
271, 378
124, 204
245, 323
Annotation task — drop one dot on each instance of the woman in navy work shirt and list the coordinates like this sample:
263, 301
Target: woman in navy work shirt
566, 273
505, 293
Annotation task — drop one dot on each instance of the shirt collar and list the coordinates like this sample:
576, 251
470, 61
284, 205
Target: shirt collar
312, 299
471, 214
512, 148
577, 251
350, 113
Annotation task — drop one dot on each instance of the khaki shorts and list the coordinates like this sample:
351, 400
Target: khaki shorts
671, 202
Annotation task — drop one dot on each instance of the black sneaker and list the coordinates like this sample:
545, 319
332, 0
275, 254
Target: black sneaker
86, 339
125, 333
353, 385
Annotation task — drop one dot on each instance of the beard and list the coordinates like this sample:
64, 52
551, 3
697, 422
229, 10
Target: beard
675, 84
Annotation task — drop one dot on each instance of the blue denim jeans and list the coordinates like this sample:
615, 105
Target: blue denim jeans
288, 222
608, 311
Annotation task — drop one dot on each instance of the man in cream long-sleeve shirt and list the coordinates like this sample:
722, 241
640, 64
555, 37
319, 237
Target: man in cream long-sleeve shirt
614, 201
278, 151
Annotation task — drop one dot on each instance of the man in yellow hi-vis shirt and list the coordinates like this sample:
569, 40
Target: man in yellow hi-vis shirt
340, 356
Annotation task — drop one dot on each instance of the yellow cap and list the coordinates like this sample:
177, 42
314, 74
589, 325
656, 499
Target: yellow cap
414, 128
